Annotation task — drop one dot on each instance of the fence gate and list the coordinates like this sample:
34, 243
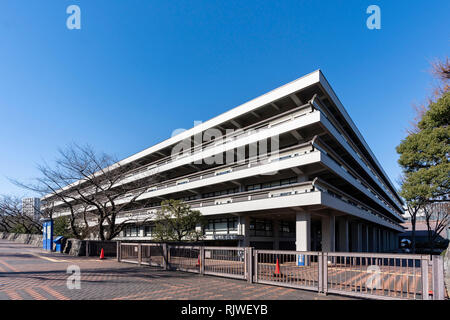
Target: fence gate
228, 262
383, 276
292, 269
365, 275
129, 252
152, 254
184, 258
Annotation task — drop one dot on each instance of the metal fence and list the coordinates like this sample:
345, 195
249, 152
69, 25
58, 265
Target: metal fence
94, 248
365, 275
288, 268
225, 262
184, 258
128, 252
382, 276
152, 254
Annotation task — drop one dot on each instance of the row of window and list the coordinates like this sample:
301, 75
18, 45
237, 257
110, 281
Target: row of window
133, 231
264, 228
272, 184
222, 225
258, 227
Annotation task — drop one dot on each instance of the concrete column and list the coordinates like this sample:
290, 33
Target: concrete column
391, 242
276, 234
359, 238
244, 227
303, 231
383, 241
344, 245
395, 240
328, 237
366, 237
375, 239
386, 240
379, 234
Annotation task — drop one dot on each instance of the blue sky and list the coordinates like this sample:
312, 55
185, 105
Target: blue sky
137, 70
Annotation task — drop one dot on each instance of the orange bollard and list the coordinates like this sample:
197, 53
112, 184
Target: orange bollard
102, 255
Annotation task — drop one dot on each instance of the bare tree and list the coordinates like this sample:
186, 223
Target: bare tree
413, 209
92, 189
440, 70
14, 219
437, 217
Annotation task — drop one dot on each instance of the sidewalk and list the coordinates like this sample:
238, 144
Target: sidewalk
31, 273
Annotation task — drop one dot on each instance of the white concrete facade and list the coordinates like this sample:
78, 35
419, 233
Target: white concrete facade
320, 188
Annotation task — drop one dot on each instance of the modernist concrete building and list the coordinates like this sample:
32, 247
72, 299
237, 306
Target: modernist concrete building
296, 174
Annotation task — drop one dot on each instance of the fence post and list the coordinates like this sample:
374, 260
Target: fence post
249, 263
438, 278
325, 273
320, 263
202, 260
165, 257
255, 264
87, 248
118, 250
424, 263
139, 254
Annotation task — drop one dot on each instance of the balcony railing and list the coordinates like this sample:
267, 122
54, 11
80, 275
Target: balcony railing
317, 104
285, 154
316, 185
155, 167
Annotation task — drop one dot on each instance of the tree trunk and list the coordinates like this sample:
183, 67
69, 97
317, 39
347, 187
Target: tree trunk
413, 235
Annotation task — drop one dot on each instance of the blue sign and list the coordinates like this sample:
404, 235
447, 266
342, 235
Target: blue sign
301, 260
47, 234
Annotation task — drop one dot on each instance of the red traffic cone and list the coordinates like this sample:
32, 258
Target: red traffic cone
198, 261
102, 254
277, 268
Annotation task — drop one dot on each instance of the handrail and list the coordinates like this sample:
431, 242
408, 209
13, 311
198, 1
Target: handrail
328, 187
351, 171
336, 125
235, 165
206, 172
240, 131
203, 146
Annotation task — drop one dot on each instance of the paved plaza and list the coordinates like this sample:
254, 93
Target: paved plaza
29, 273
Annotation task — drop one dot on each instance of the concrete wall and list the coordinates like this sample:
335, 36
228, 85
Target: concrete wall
33, 239
72, 247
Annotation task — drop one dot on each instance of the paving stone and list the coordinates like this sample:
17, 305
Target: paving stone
27, 272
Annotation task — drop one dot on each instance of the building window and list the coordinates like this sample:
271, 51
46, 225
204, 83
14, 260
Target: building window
222, 225
220, 193
260, 228
131, 231
149, 230
287, 229
271, 184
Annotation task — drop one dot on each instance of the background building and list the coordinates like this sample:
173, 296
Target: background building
31, 207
